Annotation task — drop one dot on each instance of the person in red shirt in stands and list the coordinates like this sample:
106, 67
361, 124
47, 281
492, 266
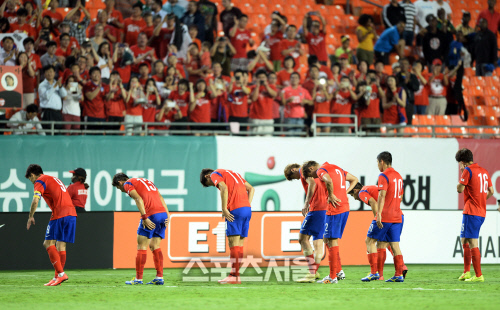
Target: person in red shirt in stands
218, 92
422, 95
78, 189
240, 38
149, 28
316, 38
143, 74
163, 36
11, 12
110, 33
134, 103
153, 102
182, 98
21, 26
133, 25
199, 108
369, 109
284, 74
292, 47
64, 27
28, 74
437, 83
64, 49
261, 110
491, 16
321, 97
345, 68
56, 17
115, 17
273, 42
193, 64
94, 95
342, 101
115, 100
394, 108
142, 52
294, 98
34, 60
237, 101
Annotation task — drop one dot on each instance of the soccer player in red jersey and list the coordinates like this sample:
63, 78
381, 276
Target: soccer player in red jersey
78, 190
376, 252
236, 197
475, 183
314, 223
337, 213
154, 220
62, 224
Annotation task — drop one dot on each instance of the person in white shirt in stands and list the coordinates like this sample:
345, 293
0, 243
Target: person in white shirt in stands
51, 93
26, 120
424, 8
71, 104
441, 4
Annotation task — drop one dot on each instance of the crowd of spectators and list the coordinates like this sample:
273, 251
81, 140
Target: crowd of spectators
170, 62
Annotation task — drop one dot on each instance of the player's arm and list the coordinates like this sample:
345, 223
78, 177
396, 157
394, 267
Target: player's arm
380, 202
329, 187
311, 187
460, 188
250, 191
352, 181
491, 191
165, 206
34, 205
374, 205
223, 198
140, 205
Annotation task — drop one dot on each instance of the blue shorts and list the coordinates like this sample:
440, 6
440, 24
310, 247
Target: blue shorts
158, 231
314, 224
239, 227
334, 225
62, 229
391, 232
471, 224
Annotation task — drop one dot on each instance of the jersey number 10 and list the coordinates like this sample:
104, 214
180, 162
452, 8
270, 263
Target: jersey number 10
398, 187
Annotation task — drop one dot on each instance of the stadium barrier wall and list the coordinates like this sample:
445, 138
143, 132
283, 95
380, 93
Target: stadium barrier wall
23, 250
428, 238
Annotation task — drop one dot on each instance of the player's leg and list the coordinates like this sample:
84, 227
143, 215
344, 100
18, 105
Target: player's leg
154, 246
381, 256
393, 237
50, 247
318, 254
476, 260
340, 222
61, 249
64, 233
144, 236
371, 248
241, 243
467, 260
333, 253
308, 251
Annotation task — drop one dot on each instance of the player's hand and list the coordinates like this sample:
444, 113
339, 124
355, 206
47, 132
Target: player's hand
334, 201
379, 221
148, 224
31, 220
226, 214
305, 210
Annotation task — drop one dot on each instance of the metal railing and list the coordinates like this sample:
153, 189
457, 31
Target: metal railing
315, 125
447, 131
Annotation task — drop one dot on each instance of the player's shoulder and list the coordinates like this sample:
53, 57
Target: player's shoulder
218, 173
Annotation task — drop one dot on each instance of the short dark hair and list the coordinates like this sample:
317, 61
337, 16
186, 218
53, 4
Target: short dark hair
28, 40
143, 64
288, 170
138, 4
120, 176
386, 157
312, 59
464, 155
295, 73
49, 67
261, 71
7, 38
51, 43
193, 26
22, 12
115, 73
183, 81
289, 58
33, 168
32, 108
243, 15
364, 19
290, 26
203, 173
239, 71
357, 186
305, 167
95, 68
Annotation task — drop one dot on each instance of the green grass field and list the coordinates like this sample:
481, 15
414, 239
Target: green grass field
426, 287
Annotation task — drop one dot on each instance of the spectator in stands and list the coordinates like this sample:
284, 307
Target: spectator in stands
94, 92
394, 108
261, 110
229, 16
78, 28
293, 98
50, 58
279, 19
194, 67
193, 16
258, 61
52, 12
345, 49
193, 34
366, 34
104, 61
115, 17
410, 16
392, 14
133, 25
273, 42
25, 120
292, 47
209, 10
485, 50
237, 100
390, 41
240, 38
182, 98
409, 82
4, 25
8, 53
424, 8
46, 33
142, 53
370, 101
321, 97
71, 111
440, 4
342, 101
153, 101
134, 100
50, 93
10, 13
434, 43
464, 26
222, 52
199, 107
22, 26
422, 94
33, 59
98, 36
283, 76
28, 74
156, 9
491, 16
438, 83
361, 74
173, 6
456, 50
381, 74
445, 24
109, 33
115, 100
316, 38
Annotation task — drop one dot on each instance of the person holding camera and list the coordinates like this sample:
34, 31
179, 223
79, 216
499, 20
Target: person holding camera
316, 38
261, 109
51, 93
71, 104
240, 37
343, 98
394, 107
222, 52
321, 97
94, 96
237, 99
372, 95
293, 98
115, 100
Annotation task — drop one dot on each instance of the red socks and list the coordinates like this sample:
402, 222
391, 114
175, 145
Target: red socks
62, 256
476, 261
373, 260
398, 265
381, 254
158, 259
311, 263
140, 261
240, 254
55, 259
235, 260
467, 258
333, 260
339, 264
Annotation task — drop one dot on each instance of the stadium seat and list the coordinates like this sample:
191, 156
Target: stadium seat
491, 91
443, 120
426, 120
492, 111
426, 130
492, 81
492, 101
491, 121
470, 72
465, 81
478, 81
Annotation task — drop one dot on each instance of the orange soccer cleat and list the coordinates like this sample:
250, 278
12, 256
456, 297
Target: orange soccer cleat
50, 282
60, 280
230, 280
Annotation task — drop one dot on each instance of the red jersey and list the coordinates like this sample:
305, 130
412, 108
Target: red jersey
149, 194
283, 78
391, 182
286, 44
317, 45
26, 28
393, 113
138, 52
162, 41
237, 102
55, 16
295, 109
73, 43
94, 107
373, 109
78, 194
201, 112
148, 30
240, 41
116, 105
132, 30
181, 100
237, 193
476, 180
56, 196
273, 42
342, 104
321, 104
319, 199
338, 176
132, 108
368, 192
194, 64
437, 87
263, 107
422, 95
149, 110
65, 53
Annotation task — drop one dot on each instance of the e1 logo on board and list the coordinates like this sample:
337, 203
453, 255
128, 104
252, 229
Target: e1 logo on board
11, 87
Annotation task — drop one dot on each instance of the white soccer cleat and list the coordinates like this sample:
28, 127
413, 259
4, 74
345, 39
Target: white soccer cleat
328, 280
341, 275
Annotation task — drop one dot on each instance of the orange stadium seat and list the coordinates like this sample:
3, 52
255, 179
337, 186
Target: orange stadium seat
492, 111
425, 119
492, 81
443, 120
465, 81
492, 100
491, 121
491, 91
478, 81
